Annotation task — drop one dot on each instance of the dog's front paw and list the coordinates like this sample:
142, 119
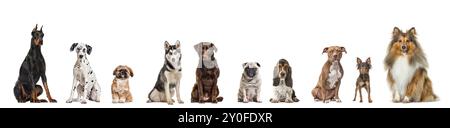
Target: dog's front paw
396, 98
149, 101
370, 101
326, 101
245, 100
180, 102
406, 99
43, 101
52, 100
274, 101
338, 100
316, 100
69, 101
170, 103
83, 101
289, 101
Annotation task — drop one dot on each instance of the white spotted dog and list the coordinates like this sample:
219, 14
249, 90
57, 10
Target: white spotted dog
84, 81
169, 77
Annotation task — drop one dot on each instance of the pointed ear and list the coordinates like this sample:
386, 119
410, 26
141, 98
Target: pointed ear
358, 60
166, 45
89, 49
412, 31
396, 31
343, 50
325, 50
213, 47
131, 71
73, 46
258, 64
41, 28
35, 28
368, 61
177, 44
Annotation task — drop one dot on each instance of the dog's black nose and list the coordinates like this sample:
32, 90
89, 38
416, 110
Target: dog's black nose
80, 56
403, 47
335, 56
282, 74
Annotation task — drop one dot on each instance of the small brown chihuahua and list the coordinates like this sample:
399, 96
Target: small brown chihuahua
363, 80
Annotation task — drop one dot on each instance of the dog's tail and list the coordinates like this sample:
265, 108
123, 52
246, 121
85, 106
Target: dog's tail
294, 98
219, 99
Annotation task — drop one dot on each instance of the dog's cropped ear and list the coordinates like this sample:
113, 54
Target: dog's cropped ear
213, 47
198, 48
343, 50
89, 49
412, 31
243, 65
131, 71
41, 28
35, 28
396, 31
258, 64
177, 44
73, 46
166, 45
325, 50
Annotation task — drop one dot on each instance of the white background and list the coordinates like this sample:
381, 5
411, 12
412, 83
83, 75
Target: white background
132, 33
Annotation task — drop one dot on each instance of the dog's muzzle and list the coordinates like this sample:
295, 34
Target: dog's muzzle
251, 72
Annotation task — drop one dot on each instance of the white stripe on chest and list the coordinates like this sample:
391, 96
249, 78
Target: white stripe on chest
402, 73
334, 75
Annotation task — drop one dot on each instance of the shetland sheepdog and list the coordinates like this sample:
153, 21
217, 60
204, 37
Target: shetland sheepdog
407, 66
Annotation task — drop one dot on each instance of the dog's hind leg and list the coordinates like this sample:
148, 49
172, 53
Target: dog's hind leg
154, 96
288, 96
20, 93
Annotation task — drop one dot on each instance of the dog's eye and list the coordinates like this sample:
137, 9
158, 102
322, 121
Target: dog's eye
84, 50
407, 40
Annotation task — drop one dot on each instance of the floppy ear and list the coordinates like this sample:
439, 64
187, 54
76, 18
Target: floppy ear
412, 31
325, 50
177, 44
343, 50
131, 71
396, 31
198, 48
114, 72
213, 47
35, 28
89, 49
166, 45
243, 65
289, 77
258, 64
73, 46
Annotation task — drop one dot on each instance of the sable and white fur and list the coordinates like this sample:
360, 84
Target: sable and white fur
407, 69
169, 77
282, 83
84, 80
250, 87
120, 88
